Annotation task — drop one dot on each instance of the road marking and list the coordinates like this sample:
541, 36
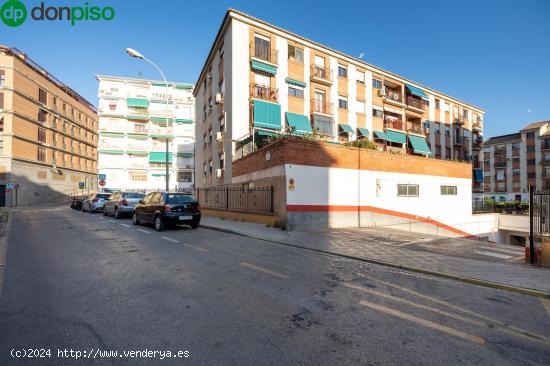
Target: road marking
491, 254
112, 221
546, 304
424, 322
508, 250
170, 239
125, 225
144, 231
264, 270
196, 248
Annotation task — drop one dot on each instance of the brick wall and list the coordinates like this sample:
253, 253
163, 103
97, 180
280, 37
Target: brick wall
314, 153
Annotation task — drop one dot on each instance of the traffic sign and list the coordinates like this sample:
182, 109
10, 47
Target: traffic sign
102, 176
81, 185
12, 185
102, 183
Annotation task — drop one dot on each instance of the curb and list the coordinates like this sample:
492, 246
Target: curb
468, 280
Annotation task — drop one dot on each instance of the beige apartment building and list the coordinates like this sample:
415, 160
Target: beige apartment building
260, 80
512, 163
48, 135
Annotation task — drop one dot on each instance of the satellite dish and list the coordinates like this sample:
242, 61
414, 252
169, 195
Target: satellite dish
361, 55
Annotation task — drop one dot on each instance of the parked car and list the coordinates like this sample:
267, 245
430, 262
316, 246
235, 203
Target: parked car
122, 203
94, 202
166, 209
76, 203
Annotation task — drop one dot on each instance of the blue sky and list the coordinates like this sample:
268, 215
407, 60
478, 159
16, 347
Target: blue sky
493, 54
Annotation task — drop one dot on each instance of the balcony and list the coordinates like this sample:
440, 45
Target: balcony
500, 152
396, 125
161, 131
477, 126
321, 75
263, 53
458, 120
458, 140
416, 130
264, 92
415, 103
393, 96
477, 142
321, 107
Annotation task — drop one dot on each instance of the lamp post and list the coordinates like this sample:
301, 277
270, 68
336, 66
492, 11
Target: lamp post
136, 54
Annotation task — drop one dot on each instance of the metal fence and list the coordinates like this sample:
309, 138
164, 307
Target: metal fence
540, 215
253, 200
510, 208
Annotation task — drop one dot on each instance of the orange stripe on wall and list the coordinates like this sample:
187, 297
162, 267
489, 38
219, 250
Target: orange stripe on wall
336, 208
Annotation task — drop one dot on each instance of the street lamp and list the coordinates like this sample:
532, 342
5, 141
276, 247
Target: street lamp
133, 53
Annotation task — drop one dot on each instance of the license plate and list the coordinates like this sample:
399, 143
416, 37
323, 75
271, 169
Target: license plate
186, 217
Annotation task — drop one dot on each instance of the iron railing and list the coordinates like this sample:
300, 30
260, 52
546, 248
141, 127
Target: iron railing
252, 200
264, 92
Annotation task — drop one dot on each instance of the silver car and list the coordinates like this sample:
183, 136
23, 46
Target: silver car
94, 203
122, 203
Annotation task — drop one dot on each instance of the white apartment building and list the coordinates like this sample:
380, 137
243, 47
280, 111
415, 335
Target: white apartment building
260, 79
136, 117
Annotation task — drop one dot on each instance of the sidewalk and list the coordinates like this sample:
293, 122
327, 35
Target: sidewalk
388, 247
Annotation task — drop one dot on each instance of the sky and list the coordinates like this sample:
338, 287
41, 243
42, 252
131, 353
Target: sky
492, 54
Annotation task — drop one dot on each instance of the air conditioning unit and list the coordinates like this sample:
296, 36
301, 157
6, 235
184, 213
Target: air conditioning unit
219, 136
219, 173
219, 98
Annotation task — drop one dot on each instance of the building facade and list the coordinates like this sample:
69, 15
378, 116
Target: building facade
260, 80
136, 118
48, 146
512, 163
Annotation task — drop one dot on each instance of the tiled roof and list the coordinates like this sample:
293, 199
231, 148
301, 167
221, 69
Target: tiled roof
503, 139
535, 125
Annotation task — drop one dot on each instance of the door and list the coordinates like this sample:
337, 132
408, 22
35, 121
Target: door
141, 211
2, 195
320, 99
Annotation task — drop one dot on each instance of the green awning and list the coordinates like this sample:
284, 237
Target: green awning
111, 152
137, 152
417, 91
260, 66
138, 117
299, 122
161, 84
265, 133
184, 86
158, 101
137, 102
161, 119
419, 145
159, 174
112, 134
185, 155
161, 136
363, 132
187, 121
159, 157
267, 115
396, 136
346, 128
380, 135
295, 82
137, 136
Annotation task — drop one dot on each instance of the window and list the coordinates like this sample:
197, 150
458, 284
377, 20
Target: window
185, 177
531, 162
361, 77
531, 175
342, 103
465, 114
2, 78
438, 150
448, 153
295, 54
447, 131
42, 154
448, 190
41, 135
407, 190
262, 48
1, 100
516, 172
42, 115
530, 135
42, 96
531, 148
377, 113
515, 159
376, 83
295, 92
515, 146
342, 71
437, 104
137, 175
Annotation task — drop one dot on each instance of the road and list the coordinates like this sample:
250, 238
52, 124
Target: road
84, 282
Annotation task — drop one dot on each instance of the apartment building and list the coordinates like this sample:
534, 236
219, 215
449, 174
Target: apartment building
512, 163
260, 80
136, 118
48, 137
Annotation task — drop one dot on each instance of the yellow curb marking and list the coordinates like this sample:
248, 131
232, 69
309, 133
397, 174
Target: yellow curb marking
264, 270
424, 322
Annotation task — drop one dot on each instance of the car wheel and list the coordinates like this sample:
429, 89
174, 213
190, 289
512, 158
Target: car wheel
194, 225
82, 208
117, 215
159, 225
135, 220
105, 211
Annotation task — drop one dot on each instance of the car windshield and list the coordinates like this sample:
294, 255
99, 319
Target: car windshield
133, 195
104, 195
174, 198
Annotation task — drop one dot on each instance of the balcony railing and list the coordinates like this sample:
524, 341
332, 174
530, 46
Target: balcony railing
416, 129
414, 102
264, 53
458, 120
500, 151
321, 107
264, 92
160, 130
458, 140
393, 95
396, 125
320, 72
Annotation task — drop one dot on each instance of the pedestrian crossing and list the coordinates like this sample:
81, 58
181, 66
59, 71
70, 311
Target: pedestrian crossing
500, 251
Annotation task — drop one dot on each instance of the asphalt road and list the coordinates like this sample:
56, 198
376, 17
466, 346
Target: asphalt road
81, 282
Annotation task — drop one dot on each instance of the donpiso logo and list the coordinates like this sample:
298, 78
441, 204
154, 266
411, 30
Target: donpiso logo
14, 13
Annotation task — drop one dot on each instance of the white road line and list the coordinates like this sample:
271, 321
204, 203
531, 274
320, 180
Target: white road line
170, 239
125, 225
513, 251
144, 231
112, 221
196, 248
264, 270
491, 254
